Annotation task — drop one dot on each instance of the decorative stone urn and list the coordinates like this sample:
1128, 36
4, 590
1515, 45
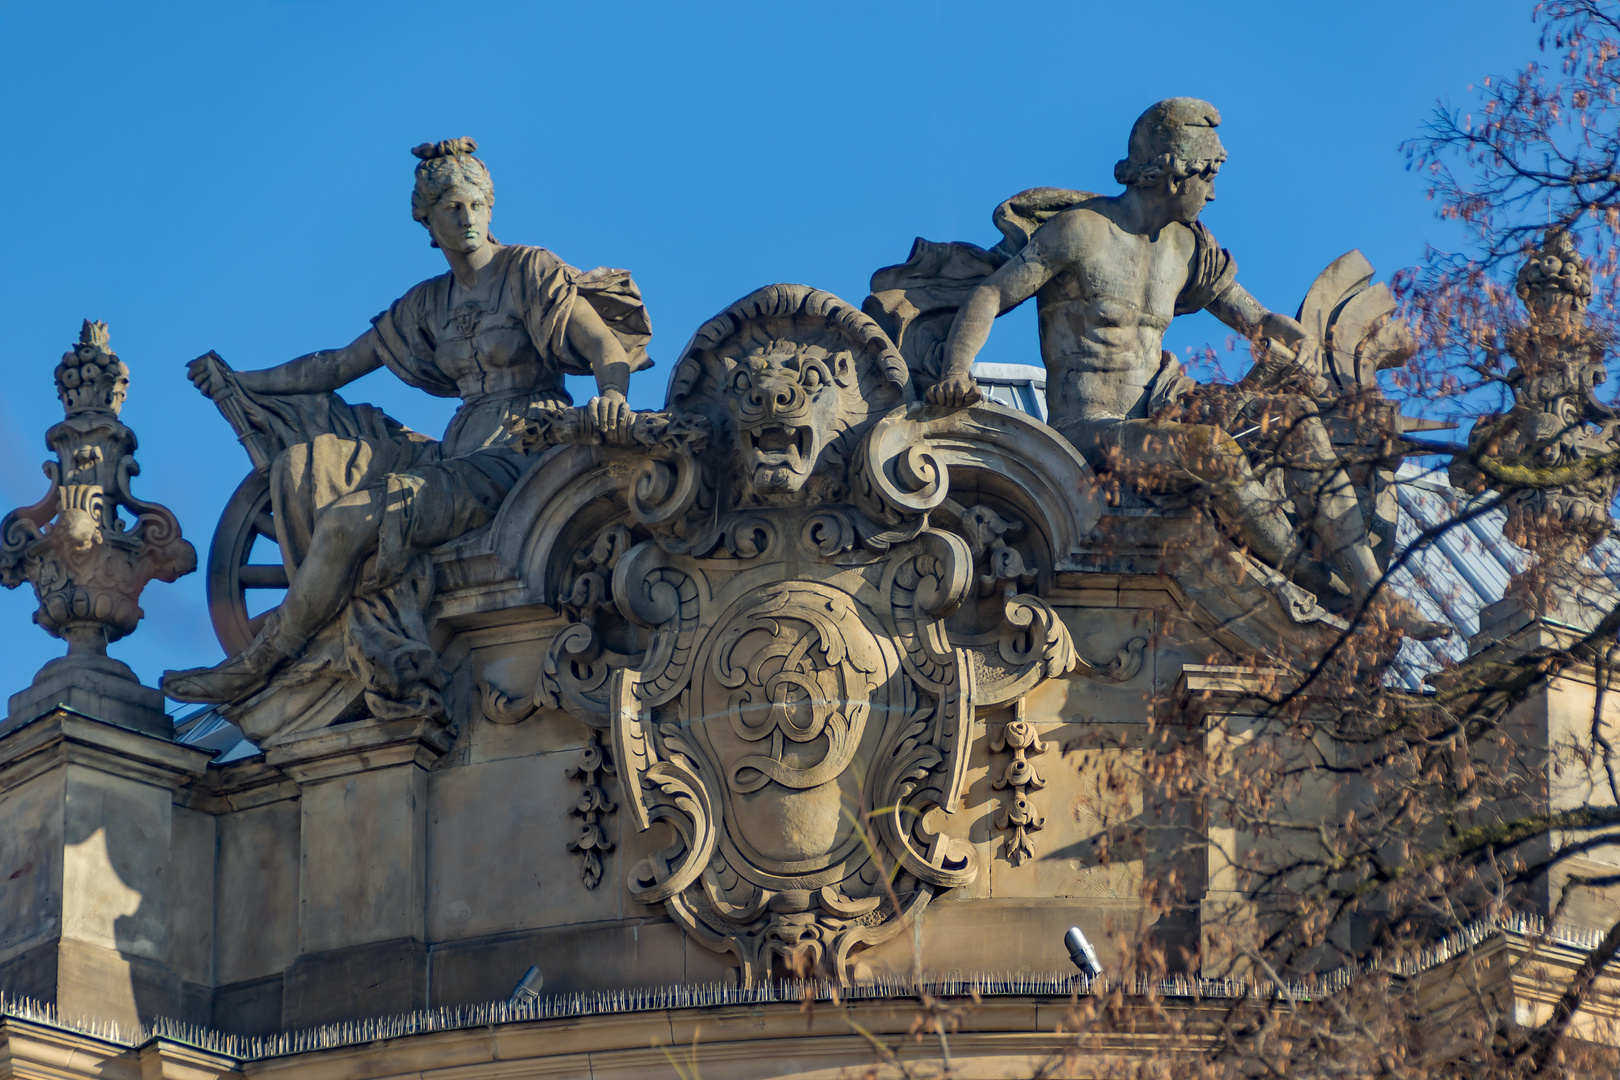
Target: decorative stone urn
87, 564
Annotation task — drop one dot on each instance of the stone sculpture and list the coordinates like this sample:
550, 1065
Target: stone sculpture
782, 602
1109, 273
356, 499
823, 667
87, 564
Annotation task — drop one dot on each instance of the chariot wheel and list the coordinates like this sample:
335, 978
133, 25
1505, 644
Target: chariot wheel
231, 573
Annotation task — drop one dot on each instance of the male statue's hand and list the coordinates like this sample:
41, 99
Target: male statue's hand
1286, 357
611, 416
955, 391
1284, 329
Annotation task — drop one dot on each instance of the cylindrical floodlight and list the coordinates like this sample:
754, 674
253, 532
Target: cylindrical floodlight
1081, 952
528, 987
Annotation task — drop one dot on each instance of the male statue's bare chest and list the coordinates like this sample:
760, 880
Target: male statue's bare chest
1118, 281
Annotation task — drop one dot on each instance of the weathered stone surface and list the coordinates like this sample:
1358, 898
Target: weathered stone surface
363, 861
497, 857
257, 891
599, 956
249, 1008
96, 686
1014, 934
88, 908
319, 987
32, 850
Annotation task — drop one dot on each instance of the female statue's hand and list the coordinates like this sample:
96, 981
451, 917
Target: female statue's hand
611, 416
205, 374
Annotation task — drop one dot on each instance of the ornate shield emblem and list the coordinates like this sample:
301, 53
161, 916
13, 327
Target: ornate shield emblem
788, 631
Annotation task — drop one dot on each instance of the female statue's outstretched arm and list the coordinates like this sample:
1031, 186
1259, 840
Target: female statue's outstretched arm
313, 373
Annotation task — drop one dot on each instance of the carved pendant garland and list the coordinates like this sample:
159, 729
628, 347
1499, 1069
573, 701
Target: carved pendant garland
786, 632
1018, 813
593, 806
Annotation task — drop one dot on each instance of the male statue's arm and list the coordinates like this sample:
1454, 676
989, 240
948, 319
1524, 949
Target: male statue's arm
1237, 308
1011, 284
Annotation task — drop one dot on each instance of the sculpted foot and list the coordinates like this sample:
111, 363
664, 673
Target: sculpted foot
234, 679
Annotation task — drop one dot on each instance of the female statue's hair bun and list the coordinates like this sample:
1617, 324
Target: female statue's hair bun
446, 148
445, 165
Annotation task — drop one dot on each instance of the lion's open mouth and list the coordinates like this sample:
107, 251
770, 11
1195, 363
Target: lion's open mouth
779, 446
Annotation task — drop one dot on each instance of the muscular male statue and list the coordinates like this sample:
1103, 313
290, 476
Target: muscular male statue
1108, 275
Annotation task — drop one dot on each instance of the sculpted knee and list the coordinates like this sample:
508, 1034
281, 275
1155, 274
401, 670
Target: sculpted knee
1210, 453
348, 524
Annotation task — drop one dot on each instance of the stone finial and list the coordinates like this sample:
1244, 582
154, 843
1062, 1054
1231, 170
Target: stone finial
1555, 278
1545, 451
87, 564
90, 377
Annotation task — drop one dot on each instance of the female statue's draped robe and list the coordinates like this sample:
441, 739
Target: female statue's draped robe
504, 358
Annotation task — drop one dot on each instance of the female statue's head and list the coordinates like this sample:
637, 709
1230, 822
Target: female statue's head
453, 196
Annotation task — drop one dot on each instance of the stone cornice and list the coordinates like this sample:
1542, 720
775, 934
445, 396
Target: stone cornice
1019, 1033
720, 1040
240, 785
1205, 690
45, 1052
360, 746
29, 1049
64, 737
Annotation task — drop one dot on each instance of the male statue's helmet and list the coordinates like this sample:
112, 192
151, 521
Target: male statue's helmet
1174, 138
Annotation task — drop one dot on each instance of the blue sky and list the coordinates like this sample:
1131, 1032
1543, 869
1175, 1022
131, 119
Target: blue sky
236, 176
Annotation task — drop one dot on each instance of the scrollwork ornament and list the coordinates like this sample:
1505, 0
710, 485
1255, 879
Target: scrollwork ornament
620, 591
791, 688
898, 475
775, 660
828, 533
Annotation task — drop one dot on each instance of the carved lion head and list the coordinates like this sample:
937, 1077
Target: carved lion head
787, 401
788, 374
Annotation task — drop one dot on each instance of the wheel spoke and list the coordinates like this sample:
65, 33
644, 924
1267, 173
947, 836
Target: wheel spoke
248, 515
254, 576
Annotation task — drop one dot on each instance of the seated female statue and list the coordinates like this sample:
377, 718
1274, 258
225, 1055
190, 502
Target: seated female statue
356, 510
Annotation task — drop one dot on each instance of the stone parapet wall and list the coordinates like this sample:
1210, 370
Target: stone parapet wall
1063, 1027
